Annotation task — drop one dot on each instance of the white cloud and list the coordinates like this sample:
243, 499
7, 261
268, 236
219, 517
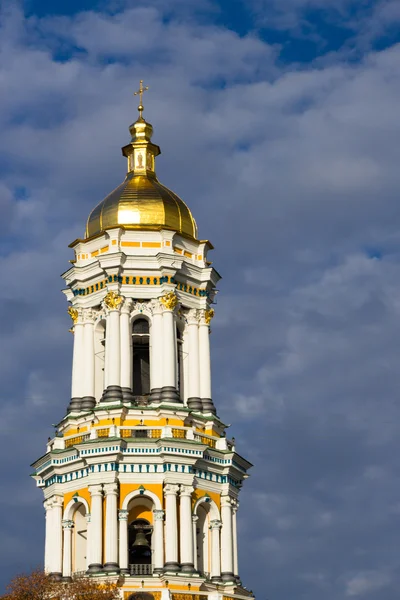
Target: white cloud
364, 583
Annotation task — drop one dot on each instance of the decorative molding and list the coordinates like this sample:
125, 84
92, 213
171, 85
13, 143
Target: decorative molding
158, 515
123, 514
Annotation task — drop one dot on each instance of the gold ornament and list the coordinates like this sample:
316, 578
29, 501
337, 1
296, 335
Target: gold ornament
209, 315
113, 300
170, 300
73, 313
140, 94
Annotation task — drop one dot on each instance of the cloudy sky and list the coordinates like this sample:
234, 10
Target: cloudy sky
279, 125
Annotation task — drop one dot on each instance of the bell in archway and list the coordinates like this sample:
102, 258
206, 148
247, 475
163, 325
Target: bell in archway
141, 540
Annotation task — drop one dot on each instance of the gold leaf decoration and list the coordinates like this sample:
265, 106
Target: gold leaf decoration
113, 300
73, 313
170, 300
209, 315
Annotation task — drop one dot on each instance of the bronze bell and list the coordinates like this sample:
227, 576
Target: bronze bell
140, 539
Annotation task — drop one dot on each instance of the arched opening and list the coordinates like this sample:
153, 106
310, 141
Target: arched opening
79, 540
141, 596
141, 357
140, 529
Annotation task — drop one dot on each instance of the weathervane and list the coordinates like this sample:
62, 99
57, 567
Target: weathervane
140, 94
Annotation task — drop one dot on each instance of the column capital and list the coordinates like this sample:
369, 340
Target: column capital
127, 306
158, 515
195, 518
215, 524
58, 501
169, 301
96, 490
186, 490
235, 504
88, 517
67, 524
171, 489
113, 301
226, 501
110, 489
206, 314
193, 316
156, 307
123, 514
88, 315
73, 313
48, 504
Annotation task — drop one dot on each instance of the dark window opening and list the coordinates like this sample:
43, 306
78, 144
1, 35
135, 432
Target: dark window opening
141, 357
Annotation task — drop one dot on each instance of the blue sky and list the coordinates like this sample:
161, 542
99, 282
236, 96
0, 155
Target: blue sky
278, 123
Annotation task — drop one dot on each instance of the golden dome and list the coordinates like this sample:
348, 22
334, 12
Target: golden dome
141, 202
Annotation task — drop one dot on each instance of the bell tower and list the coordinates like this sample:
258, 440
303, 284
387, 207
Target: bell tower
140, 482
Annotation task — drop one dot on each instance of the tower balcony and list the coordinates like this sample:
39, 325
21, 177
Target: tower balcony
140, 432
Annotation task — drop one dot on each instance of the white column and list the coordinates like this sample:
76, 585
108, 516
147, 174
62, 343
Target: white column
48, 506
171, 528
226, 539
89, 393
205, 362
235, 541
156, 358
88, 537
195, 518
186, 529
169, 392
111, 554
126, 351
95, 540
67, 554
185, 360
215, 527
123, 541
56, 550
113, 355
78, 365
194, 401
158, 541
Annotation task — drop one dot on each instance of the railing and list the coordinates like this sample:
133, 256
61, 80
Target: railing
205, 440
136, 570
103, 433
141, 433
178, 433
77, 440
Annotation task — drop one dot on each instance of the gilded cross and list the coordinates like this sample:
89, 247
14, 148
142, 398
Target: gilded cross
140, 94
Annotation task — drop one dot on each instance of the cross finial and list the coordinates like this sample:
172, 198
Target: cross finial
140, 94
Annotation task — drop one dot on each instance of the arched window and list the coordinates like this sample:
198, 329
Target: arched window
141, 357
139, 543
